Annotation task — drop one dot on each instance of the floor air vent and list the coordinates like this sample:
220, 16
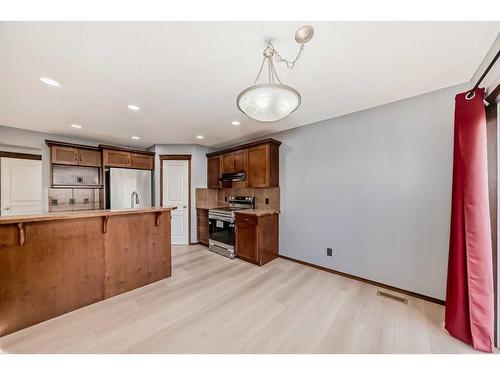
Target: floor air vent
393, 297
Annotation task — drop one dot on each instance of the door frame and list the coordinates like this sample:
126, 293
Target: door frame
18, 155
178, 157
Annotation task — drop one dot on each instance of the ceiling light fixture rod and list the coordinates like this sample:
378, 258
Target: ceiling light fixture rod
272, 75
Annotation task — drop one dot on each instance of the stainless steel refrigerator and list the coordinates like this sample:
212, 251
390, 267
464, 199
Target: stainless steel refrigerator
122, 184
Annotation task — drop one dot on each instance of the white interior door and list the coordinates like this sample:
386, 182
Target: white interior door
20, 186
176, 192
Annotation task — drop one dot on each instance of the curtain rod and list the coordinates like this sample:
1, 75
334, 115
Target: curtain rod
485, 72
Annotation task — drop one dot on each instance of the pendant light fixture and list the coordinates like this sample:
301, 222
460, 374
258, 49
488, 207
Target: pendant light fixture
272, 100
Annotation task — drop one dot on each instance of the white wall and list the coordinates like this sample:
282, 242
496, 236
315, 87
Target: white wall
198, 173
30, 142
376, 186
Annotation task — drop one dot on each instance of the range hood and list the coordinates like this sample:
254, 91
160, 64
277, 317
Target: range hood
233, 177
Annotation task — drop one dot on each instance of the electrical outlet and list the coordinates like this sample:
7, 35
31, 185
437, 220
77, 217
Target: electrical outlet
329, 251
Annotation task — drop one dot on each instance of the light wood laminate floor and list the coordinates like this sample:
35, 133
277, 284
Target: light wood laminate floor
212, 304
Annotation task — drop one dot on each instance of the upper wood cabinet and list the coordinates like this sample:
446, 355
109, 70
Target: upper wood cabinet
227, 163
103, 155
214, 172
114, 157
260, 161
258, 171
141, 161
234, 161
89, 158
64, 155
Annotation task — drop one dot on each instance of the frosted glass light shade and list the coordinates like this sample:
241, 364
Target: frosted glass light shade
268, 101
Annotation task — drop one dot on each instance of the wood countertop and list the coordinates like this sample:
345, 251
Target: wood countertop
259, 211
50, 216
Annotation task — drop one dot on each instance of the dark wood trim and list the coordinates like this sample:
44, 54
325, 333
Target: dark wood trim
243, 146
126, 149
175, 157
178, 157
19, 155
367, 281
492, 96
492, 147
67, 144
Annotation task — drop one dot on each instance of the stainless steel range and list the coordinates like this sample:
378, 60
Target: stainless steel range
221, 225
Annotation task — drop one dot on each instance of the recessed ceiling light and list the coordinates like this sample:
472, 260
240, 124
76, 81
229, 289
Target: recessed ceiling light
235, 123
76, 126
135, 137
50, 82
200, 137
134, 107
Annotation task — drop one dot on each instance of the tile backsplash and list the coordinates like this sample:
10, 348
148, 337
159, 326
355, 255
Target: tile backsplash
214, 196
74, 199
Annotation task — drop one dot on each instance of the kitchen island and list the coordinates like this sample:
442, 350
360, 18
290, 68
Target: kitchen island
54, 263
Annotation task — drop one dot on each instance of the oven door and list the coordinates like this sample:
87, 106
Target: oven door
221, 232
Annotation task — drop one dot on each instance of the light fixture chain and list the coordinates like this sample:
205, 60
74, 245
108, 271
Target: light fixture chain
289, 64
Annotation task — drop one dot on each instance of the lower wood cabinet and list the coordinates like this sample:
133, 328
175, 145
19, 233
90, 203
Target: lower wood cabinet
257, 237
202, 225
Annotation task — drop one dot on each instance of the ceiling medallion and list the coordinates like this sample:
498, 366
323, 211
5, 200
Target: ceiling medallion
272, 100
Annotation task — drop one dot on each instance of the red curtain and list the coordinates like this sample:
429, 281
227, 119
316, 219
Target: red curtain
469, 313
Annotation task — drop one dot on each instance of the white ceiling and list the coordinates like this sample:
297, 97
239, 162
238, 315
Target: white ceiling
186, 75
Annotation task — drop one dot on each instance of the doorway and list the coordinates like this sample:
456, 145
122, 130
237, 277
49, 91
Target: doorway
20, 184
175, 189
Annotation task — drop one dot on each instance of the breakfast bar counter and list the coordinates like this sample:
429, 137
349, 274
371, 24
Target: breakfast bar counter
54, 263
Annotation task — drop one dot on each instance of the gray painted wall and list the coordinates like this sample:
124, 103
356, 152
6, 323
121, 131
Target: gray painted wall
30, 142
376, 186
198, 173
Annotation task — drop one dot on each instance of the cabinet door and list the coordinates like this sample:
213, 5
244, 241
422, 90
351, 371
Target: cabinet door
141, 161
213, 172
228, 163
89, 158
114, 158
240, 161
137, 251
246, 241
64, 155
202, 226
258, 166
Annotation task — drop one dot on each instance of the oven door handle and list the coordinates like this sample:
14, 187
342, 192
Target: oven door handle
221, 218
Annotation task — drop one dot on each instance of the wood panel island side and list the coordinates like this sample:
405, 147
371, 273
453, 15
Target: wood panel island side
54, 263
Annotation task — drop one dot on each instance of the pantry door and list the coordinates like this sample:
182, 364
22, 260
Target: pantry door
175, 190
